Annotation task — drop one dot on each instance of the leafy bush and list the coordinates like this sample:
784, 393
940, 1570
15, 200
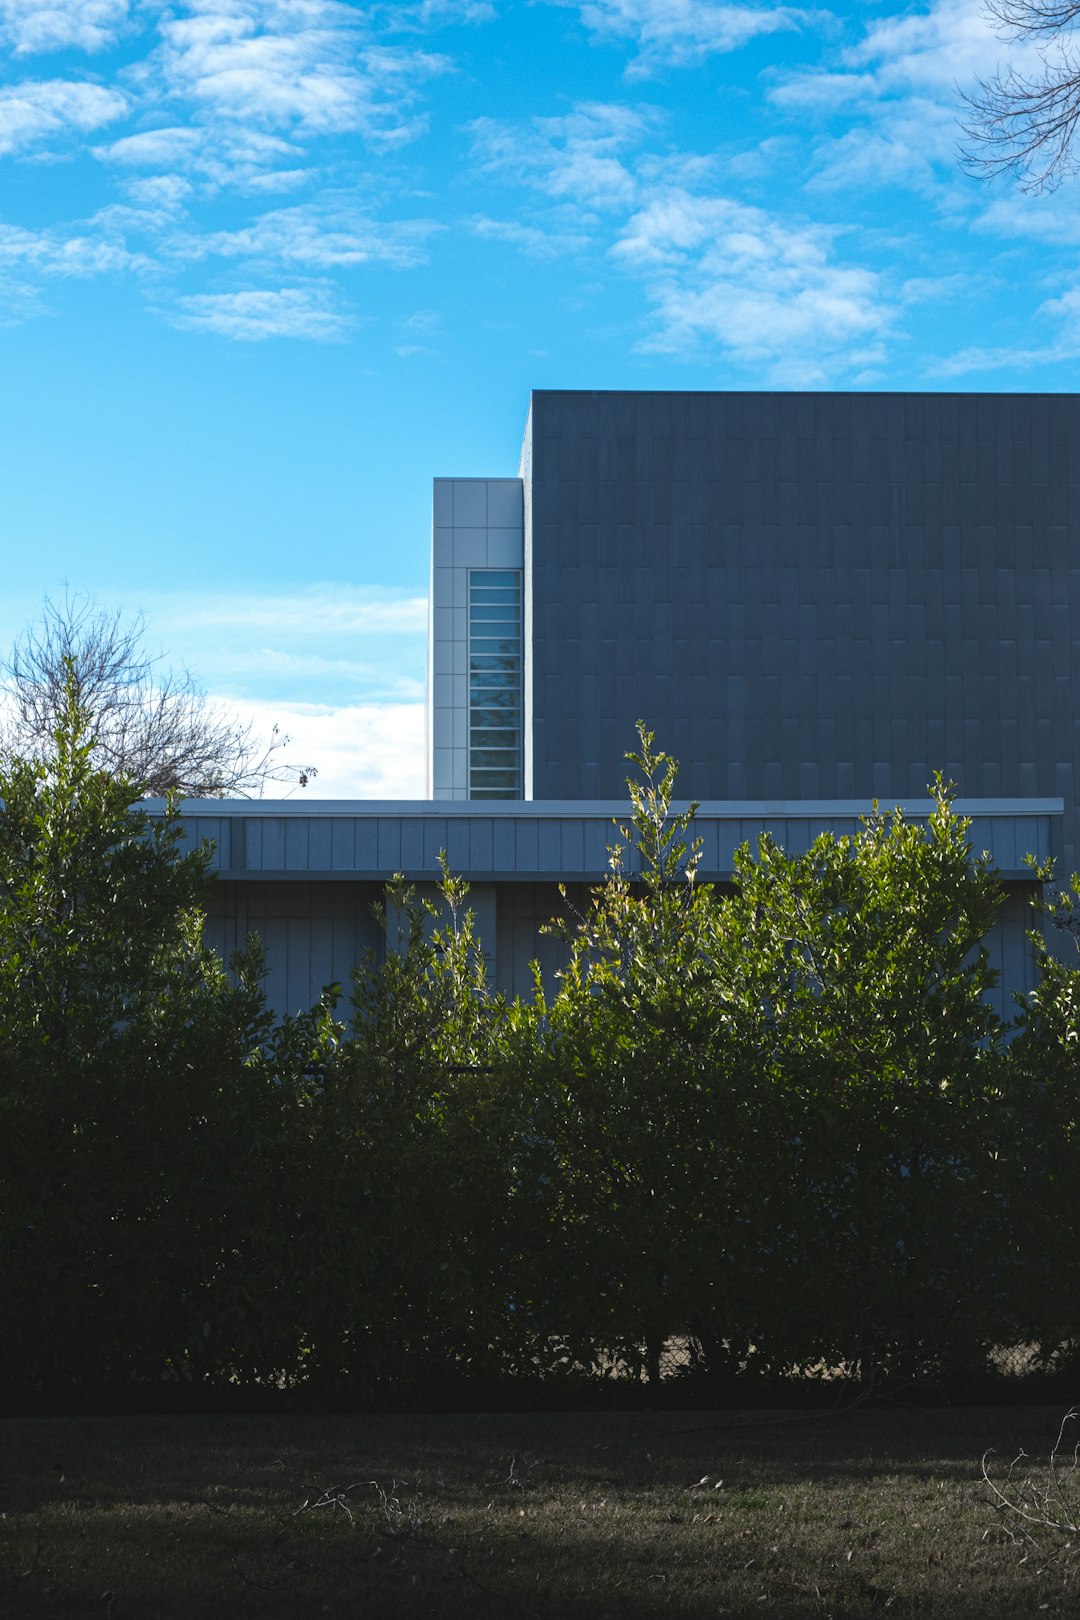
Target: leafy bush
138, 1090
778, 1122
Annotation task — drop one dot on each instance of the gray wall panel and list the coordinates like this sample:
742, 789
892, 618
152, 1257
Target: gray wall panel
388, 844
849, 591
271, 846
320, 845
342, 842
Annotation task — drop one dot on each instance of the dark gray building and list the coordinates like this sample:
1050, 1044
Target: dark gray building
808, 596
815, 600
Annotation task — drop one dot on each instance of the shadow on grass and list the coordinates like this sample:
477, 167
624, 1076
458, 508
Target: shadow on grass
635, 1515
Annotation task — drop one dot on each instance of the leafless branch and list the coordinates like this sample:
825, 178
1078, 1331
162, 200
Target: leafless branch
1030, 1500
149, 722
1026, 124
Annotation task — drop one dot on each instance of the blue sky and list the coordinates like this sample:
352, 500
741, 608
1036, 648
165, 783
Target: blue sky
267, 266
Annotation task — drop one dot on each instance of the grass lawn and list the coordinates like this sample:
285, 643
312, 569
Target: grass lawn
549, 1516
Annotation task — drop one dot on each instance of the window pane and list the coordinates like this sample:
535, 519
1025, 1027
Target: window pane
495, 673
496, 779
502, 757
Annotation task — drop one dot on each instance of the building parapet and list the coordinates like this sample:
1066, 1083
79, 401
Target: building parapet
529, 841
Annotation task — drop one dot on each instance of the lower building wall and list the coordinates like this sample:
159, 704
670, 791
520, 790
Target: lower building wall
315, 933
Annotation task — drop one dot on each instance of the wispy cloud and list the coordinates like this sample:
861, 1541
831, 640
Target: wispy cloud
154, 148
579, 157
1063, 347
1053, 219
327, 234
30, 26
257, 98
950, 43
252, 316
679, 33
906, 142
771, 291
56, 253
897, 91
318, 610
305, 65
765, 289
40, 109
423, 14
539, 244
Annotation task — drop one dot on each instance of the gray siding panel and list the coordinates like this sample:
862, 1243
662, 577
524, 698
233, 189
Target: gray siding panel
549, 847
272, 845
412, 846
388, 844
297, 846
342, 843
366, 847
320, 845
434, 841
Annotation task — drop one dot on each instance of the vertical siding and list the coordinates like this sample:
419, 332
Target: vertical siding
313, 934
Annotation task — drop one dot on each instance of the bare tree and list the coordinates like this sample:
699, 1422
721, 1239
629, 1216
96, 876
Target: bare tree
148, 722
1025, 124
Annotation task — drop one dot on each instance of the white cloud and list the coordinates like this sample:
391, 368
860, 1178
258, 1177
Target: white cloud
153, 148
951, 43
424, 14
1067, 307
967, 361
252, 316
320, 610
222, 156
53, 252
823, 92
933, 289
1044, 219
363, 733
20, 301
361, 751
1062, 347
902, 145
539, 244
576, 158
328, 234
291, 64
165, 194
239, 91
897, 88
39, 109
30, 26
676, 33
769, 292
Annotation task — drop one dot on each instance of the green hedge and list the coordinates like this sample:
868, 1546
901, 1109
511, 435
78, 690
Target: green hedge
779, 1123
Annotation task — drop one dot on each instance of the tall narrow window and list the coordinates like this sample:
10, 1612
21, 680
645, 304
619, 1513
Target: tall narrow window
495, 664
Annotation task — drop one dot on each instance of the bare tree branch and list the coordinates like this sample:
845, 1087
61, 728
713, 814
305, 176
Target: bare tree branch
1026, 124
149, 722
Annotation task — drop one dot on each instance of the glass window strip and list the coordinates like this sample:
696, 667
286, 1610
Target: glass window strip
495, 657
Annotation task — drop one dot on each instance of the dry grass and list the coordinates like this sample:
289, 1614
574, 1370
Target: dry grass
477, 1518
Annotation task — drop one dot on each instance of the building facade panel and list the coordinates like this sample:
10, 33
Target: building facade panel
876, 583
